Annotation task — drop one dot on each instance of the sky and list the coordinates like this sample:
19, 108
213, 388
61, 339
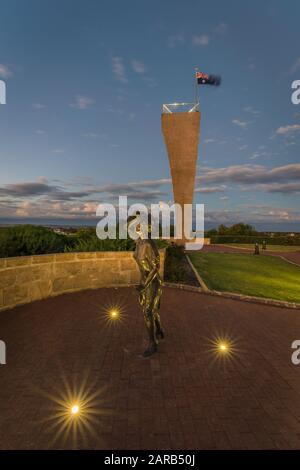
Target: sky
85, 83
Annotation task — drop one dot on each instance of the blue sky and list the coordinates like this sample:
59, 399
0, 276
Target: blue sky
85, 84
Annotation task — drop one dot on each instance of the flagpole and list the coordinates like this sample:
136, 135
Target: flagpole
196, 87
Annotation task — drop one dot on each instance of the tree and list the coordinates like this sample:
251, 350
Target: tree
222, 230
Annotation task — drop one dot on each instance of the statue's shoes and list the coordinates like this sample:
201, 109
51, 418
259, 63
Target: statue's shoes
152, 349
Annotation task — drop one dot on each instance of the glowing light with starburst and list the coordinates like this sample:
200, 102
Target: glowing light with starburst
223, 347
113, 312
75, 412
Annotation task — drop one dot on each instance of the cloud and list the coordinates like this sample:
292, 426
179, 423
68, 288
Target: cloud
289, 143
113, 110
288, 129
82, 102
210, 189
270, 212
132, 188
27, 189
253, 111
92, 135
58, 150
49, 209
251, 64
38, 106
40, 199
150, 81
239, 123
5, 72
254, 156
40, 132
141, 70
251, 174
119, 69
151, 183
69, 195
40, 188
295, 66
211, 179
175, 40
146, 195
42, 179
253, 214
221, 28
284, 188
138, 67
202, 40
258, 155
78, 198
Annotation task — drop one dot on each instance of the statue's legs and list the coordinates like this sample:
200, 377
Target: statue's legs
151, 328
159, 329
156, 308
150, 301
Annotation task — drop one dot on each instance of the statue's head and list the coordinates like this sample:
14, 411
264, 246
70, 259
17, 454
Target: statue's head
139, 227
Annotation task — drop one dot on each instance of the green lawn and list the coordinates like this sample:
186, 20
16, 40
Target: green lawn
280, 248
259, 276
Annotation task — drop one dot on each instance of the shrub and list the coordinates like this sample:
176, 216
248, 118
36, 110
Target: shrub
177, 267
23, 240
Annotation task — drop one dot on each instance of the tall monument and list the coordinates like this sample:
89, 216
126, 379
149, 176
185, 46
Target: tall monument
181, 135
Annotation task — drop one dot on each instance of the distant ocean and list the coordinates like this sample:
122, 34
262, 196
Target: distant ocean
260, 226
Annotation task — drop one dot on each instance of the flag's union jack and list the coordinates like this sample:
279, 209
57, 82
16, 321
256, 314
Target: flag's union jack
206, 79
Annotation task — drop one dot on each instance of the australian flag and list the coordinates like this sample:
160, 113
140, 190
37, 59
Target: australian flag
206, 79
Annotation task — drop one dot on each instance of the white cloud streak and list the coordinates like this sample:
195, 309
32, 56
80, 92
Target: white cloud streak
118, 69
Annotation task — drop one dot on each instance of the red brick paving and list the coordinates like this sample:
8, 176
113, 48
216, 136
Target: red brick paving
181, 398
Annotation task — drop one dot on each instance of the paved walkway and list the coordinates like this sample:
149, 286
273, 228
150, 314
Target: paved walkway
182, 398
294, 256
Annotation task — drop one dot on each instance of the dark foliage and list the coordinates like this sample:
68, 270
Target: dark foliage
22, 240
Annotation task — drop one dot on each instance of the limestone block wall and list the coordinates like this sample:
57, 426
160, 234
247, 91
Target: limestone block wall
28, 278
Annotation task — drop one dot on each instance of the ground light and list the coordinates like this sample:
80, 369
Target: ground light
223, 347
113, 312
75, 411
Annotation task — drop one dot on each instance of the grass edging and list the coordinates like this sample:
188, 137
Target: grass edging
175, 285
255, 300
234, 296
199, 278
285, 259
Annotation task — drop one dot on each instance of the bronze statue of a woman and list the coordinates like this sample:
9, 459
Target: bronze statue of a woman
147, 257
